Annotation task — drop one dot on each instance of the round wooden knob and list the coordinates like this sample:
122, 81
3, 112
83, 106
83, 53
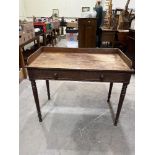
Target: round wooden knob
55, 75
101, 76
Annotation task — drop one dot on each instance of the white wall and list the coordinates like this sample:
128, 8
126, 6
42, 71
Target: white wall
67, 8
22, 14
122, 3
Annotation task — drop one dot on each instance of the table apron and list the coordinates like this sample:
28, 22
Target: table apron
79, 75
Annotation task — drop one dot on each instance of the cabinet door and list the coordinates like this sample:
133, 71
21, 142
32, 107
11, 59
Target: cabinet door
90, 33
81, 31
87, 32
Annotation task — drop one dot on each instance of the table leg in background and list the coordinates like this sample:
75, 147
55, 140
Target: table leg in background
44, 39
48, 89
53, 38
35, 94
121, 99
38, 42
62, 30
110, 89
55, 35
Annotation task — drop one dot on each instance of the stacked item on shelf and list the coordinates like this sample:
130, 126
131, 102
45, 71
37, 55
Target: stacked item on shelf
26, 32
72, 24
43, 24
49, 28
108, 15
47, 22
55, 24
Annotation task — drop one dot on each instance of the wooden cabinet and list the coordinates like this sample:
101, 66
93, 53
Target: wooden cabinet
87, 32
108, 37
131, 46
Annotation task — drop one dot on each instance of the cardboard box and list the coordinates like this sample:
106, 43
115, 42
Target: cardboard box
28, 27
30, 35
21, 40
55, 24
23, 37
72, 24
33, 34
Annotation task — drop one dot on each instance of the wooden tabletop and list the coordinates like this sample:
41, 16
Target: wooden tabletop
87, 59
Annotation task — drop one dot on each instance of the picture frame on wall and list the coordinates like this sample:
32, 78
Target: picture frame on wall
85, 9
55, 13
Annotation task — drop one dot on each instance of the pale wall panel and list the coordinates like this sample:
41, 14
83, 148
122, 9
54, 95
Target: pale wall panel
122, 3
67, 8
22, 14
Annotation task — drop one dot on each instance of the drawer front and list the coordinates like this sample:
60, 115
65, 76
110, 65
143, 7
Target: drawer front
90, 22
87, 22
79, 75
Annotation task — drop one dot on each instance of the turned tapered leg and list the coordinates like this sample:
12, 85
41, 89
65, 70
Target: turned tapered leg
35, 94
48, 89
121, 99
110, 89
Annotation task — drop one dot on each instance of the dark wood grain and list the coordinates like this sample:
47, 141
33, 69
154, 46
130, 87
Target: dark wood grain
87, 32
121, 99
78, 75
48, 89
21, 50
22, 63
131, 46
110, 89
125, 58
35, 94
81, 58
29, 41
108, 35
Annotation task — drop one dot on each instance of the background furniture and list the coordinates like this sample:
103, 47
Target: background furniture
131, 46
87, 32
121, 40
63, 24
108, 15
108, 37
47, 32
23, 55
